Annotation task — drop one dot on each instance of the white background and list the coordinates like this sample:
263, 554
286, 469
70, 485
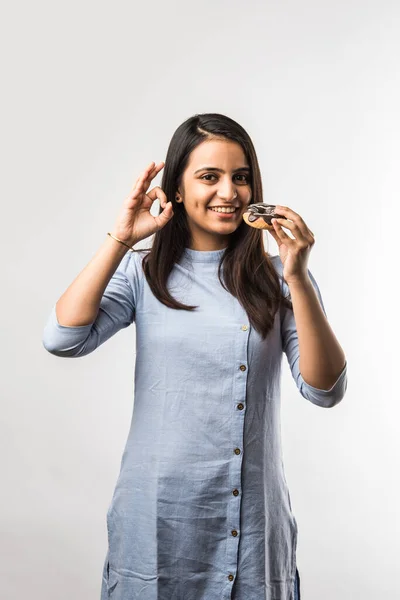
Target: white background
91, 93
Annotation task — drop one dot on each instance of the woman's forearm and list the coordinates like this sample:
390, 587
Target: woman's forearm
321, 356
80, 303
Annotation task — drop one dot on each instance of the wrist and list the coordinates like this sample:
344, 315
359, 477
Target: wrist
121, 244
300, 282
131, 242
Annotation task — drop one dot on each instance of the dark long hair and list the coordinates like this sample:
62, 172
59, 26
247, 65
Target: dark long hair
248, 272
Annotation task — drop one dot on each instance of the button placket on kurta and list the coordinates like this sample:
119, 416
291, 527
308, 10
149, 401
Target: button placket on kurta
238, 404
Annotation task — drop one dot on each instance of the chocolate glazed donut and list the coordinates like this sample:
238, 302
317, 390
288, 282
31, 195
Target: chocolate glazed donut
260, 215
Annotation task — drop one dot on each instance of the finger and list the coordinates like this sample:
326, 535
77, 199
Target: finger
157, 192
295, 217
285, 211
144, 174
138, 189
163, 218
285, 223
139, 186
156, 169
138, 181
148, 171
303, 241
152, 174
280, 232
274, 235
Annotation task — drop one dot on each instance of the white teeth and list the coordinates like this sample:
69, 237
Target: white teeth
223, 210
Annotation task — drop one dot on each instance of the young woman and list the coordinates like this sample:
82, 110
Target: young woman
201, 509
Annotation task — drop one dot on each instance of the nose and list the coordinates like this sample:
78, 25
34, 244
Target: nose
227, 190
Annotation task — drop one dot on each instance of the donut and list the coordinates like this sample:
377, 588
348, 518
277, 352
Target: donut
259, 215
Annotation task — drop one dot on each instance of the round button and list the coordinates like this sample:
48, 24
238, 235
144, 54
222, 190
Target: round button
240, 406
235, 492
237, 450
234, 532
230, 577
242, 367
244, 328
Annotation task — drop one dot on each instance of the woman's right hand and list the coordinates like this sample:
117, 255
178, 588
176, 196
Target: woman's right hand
135, 222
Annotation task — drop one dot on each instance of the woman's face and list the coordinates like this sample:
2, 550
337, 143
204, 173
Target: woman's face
217, 175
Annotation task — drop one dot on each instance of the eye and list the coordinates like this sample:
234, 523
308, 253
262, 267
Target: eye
245, 180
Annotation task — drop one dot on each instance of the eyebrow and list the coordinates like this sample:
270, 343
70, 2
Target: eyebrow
221, 170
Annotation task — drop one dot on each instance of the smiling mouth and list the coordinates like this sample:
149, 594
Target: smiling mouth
224, 212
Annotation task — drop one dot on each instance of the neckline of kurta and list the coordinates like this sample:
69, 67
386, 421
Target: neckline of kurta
206, 256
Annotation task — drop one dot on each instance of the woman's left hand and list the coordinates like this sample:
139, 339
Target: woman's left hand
294, 253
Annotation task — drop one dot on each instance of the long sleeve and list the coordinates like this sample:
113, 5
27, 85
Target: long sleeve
116, 311
290, 345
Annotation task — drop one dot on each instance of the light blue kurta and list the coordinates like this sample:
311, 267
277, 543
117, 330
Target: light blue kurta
201, 508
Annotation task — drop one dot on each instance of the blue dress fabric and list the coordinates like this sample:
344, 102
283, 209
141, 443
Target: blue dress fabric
201, 509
